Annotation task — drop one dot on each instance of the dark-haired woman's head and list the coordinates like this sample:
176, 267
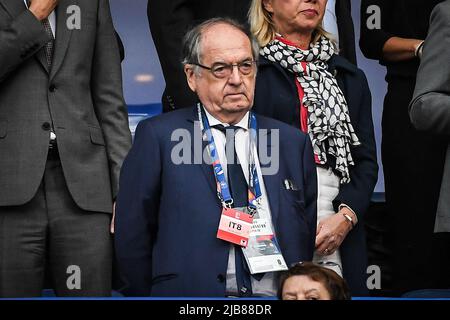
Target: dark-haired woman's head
308, 281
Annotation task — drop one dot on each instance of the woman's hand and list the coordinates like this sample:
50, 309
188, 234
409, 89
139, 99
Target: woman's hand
331, 232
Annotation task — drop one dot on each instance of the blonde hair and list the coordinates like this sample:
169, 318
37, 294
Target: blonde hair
264, 29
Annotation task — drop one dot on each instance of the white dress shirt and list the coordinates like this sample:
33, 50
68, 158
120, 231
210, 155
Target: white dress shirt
51, 19
330, 20
268, 285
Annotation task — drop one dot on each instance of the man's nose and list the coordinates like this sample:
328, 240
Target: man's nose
235, 76
301, 296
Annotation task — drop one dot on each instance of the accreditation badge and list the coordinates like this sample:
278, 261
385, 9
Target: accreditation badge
263, 254
235, 225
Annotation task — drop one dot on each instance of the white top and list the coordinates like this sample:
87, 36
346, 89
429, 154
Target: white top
268, 285
330, 20
51, 19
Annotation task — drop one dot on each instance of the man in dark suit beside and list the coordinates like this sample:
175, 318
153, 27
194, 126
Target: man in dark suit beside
430, 111
170, 233
169, 21
63, 136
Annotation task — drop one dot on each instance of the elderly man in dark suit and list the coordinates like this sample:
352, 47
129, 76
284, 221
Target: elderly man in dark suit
171, 238
430, 111
63, 136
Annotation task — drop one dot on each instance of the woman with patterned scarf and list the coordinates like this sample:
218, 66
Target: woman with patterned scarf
302, 81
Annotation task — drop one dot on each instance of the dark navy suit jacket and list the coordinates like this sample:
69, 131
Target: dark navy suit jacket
168, 214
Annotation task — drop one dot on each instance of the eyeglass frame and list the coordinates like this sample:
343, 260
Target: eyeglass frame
228, 66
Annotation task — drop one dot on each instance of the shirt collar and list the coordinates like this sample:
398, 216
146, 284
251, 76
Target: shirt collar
241, 124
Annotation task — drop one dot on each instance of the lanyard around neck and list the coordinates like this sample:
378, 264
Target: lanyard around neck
223, 189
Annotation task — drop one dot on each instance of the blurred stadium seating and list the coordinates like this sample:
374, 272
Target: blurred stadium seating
137, 113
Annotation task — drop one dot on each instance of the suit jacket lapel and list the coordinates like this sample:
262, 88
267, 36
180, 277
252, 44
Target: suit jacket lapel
41, 57
207, 169
63, 35
271, 182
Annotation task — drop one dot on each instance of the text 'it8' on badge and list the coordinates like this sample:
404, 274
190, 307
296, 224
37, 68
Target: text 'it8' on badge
235, 226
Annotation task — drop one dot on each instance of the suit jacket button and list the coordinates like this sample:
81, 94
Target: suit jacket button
221, 278
46, 126
52, 88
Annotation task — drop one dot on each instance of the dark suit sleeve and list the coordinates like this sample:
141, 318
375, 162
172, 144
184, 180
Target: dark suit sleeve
346, 30
310, 187
430, 106
20, 40
372, 41
107, 93
136, 211
363, 175
121, 47
169, 21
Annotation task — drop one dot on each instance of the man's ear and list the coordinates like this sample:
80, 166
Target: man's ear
267, 4
190, 77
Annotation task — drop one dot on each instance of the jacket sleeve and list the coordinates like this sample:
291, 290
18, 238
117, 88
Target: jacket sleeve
107, 94
430, 106
363, 176
346, 30
371, 40
136, 211
169, 20
121, 47
20, 39
310, 187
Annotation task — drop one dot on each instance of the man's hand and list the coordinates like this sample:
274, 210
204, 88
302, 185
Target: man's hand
111, 227
331, 232
42, 8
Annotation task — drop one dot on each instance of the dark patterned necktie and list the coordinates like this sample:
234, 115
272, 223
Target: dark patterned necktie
236, 179
49, 46
239, 190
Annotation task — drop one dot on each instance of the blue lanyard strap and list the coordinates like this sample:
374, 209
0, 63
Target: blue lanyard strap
223, 190
254, 188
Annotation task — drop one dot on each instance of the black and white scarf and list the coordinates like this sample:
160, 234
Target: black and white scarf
329, 124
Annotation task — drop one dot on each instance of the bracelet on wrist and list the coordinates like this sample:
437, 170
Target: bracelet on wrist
350, 219
418, 50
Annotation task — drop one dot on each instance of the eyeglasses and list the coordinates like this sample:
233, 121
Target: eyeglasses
223, 70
